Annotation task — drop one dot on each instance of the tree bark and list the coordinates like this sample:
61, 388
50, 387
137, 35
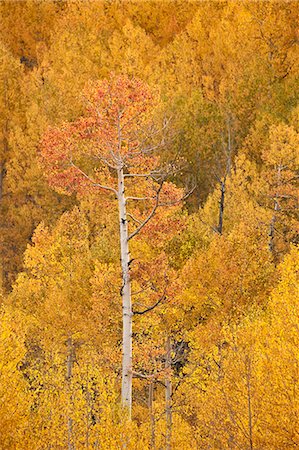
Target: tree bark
2, 172
221, 207
126, 393
271, 244
168, 396
69, 374
5, 140
152, 415
248, 385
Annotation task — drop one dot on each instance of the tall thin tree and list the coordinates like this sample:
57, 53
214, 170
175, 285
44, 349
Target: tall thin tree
114, 148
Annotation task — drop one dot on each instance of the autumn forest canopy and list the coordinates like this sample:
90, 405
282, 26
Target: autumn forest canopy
149, 161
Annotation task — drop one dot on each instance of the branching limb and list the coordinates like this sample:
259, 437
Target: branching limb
140, 198
156, 206
142, 375
151, 214
143, 175
134, 218
148, 286
181, 199
155, 175
209, 226
94, 183
106, 162
152, 377
150, 308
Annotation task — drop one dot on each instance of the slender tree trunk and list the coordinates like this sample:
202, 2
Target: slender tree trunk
152, 415
2, 273
248, 385
272, 234
229, 150
221, 207
273, 220
88, 409
168, 396
5, 140
69, 374
2, 172
126, 393
272, 227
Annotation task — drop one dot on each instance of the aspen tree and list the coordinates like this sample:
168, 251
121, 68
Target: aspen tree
113, 149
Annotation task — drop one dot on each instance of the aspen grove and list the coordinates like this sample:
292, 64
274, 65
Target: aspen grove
149, 160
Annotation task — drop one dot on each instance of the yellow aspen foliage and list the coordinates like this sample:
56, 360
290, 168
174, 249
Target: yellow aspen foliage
10, 76
280, 364
14, 393
279, 194
26, 25
229, 277
28, 199
130, 51
240, 385
211, 285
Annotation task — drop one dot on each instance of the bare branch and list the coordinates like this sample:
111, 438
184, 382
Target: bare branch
94, 183
152, 377
142, 376
175, 202
150, 308
134, 218
140, 198
143, 175
149, 285
155, 175
151, 214
106, 162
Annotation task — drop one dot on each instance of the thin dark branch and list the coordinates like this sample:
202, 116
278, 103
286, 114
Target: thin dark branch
151, 214
142, 376
209, 226
134, 218
140, 198
150, 308
153, 175
175, 202
148, 286
151, 377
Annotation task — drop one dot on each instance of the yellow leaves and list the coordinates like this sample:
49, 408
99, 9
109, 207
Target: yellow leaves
35, 256
131, 51
284, 303
23, 22
245, 378
14, 395
231, 274
284, 147
106, 283
228, 76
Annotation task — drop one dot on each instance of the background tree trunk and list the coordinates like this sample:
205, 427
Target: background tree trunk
152, 414
168, 396
69, 373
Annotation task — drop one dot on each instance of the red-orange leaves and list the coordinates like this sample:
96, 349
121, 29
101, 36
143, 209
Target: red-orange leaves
58, 152
111, 134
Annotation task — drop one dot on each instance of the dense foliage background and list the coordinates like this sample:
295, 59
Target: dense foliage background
224, 341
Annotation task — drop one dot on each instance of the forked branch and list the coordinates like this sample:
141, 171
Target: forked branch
151, 214
150, 308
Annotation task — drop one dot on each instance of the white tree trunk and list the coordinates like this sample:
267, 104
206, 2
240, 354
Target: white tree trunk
126, 393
